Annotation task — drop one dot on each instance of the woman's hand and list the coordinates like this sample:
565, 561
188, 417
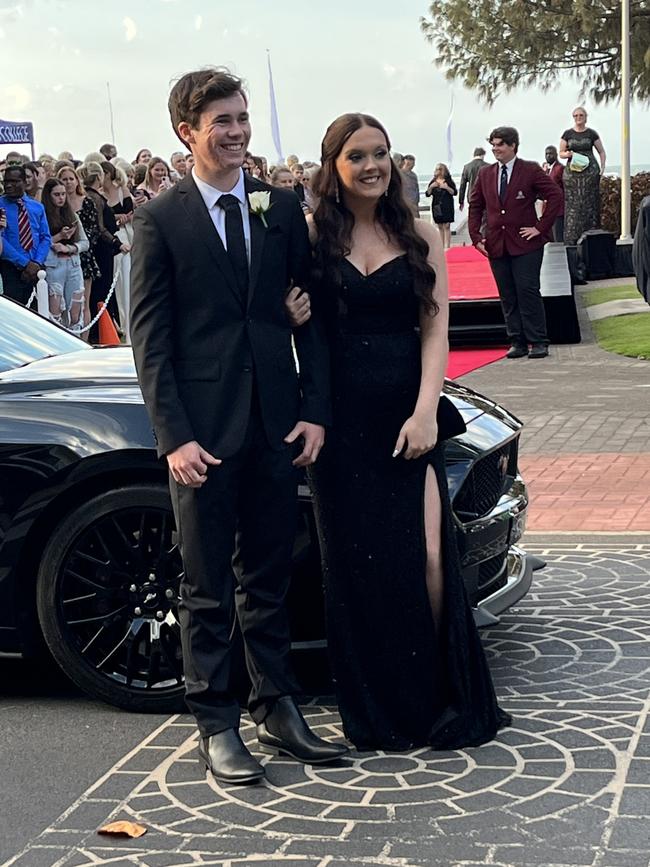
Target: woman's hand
58, 247
125, 248
419, 434
298, 306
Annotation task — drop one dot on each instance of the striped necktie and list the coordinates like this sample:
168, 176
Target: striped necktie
25, 237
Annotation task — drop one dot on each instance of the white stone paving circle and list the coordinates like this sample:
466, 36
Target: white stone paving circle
541, 750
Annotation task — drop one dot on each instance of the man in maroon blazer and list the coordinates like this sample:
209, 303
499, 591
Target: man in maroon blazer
555, 170
513, 238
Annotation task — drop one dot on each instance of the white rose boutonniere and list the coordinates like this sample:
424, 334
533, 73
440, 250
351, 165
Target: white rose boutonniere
259, 203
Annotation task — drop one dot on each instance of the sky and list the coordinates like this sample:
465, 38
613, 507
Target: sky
327, 57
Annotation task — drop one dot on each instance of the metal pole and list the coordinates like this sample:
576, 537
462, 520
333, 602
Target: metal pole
110, 111
625, 121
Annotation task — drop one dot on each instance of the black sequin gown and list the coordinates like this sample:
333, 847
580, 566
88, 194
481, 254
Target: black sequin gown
399, 685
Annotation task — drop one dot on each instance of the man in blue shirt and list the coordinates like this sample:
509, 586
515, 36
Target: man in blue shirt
25, 241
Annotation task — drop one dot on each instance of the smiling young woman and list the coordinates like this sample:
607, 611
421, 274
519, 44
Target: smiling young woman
407, 660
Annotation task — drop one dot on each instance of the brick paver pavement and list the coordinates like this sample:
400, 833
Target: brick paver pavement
588, 492
585, 450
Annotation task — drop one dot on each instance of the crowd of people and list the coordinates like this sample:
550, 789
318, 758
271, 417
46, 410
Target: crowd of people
73, 218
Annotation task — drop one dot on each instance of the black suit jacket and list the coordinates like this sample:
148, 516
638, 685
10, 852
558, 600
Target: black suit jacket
198, 347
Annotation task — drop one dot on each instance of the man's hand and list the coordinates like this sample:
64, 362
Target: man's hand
30, 272
313, 438
298, 306
529, 232
480, 246
189, 464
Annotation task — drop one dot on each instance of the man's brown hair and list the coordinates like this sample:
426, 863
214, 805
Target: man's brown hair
507, 134
194, 90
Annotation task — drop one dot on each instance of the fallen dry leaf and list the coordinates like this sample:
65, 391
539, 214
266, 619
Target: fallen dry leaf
123, 829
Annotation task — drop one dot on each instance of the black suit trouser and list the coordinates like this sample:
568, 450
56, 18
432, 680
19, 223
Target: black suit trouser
236, 534
13, 286
517, 278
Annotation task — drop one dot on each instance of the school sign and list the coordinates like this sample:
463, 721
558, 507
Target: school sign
16, 132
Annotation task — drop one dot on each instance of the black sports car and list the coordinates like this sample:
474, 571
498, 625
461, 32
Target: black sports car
88, 558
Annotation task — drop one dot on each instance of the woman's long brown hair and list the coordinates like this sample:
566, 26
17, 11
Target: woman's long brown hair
334, 222
57, 218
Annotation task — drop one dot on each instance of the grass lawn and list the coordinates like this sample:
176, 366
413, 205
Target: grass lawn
601, 294
626, 335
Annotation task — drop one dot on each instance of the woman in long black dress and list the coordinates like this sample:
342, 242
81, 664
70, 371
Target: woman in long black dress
581, 189
108, 244
406, 657
442, 190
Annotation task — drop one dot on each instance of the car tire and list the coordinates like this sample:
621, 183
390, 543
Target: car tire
110, 557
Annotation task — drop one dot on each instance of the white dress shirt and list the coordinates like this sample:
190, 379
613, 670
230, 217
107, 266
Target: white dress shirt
509, 167
211, 196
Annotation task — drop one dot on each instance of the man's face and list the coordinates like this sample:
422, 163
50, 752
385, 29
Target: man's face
408, 165
550, 155
298, 174
14, 185
220, 141
502, 152
110, 153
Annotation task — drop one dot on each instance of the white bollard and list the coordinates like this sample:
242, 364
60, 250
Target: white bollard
42, 295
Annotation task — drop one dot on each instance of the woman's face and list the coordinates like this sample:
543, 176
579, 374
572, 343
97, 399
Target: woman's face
364, 164
69, 182
158, 172
58, 195
284, 179
144, 156
30, 181
579, 117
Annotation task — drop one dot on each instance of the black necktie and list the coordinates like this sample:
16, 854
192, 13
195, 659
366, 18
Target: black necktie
235, 241
503, 186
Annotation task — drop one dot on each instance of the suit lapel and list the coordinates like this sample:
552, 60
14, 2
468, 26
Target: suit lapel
495, 178
258, 236
204, 227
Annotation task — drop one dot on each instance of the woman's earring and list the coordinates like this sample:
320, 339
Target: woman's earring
336, 194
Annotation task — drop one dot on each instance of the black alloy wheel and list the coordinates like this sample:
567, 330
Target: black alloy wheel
107, 599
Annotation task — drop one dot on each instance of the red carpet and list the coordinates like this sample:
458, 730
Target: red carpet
470, 276
463, 361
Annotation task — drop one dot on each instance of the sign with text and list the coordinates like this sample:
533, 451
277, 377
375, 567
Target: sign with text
15, 132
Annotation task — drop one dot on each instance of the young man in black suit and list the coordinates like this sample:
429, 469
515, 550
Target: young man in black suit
212, 261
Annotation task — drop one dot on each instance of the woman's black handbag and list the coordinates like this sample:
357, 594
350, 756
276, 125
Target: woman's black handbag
450, 421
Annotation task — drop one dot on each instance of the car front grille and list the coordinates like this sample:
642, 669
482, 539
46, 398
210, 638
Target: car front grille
488, 479
489, 569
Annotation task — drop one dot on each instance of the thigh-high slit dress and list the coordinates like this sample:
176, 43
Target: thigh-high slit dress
400, 682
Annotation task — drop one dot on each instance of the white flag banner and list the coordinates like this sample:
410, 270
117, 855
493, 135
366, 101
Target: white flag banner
275, 123
450, 153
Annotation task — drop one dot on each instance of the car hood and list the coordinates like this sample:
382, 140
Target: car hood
103, 375
110, 373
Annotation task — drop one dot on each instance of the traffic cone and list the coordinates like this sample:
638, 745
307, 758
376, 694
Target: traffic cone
108, 336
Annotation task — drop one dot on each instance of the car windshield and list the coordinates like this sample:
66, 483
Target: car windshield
25, 336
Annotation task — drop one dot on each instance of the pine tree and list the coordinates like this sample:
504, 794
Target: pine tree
494, 45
